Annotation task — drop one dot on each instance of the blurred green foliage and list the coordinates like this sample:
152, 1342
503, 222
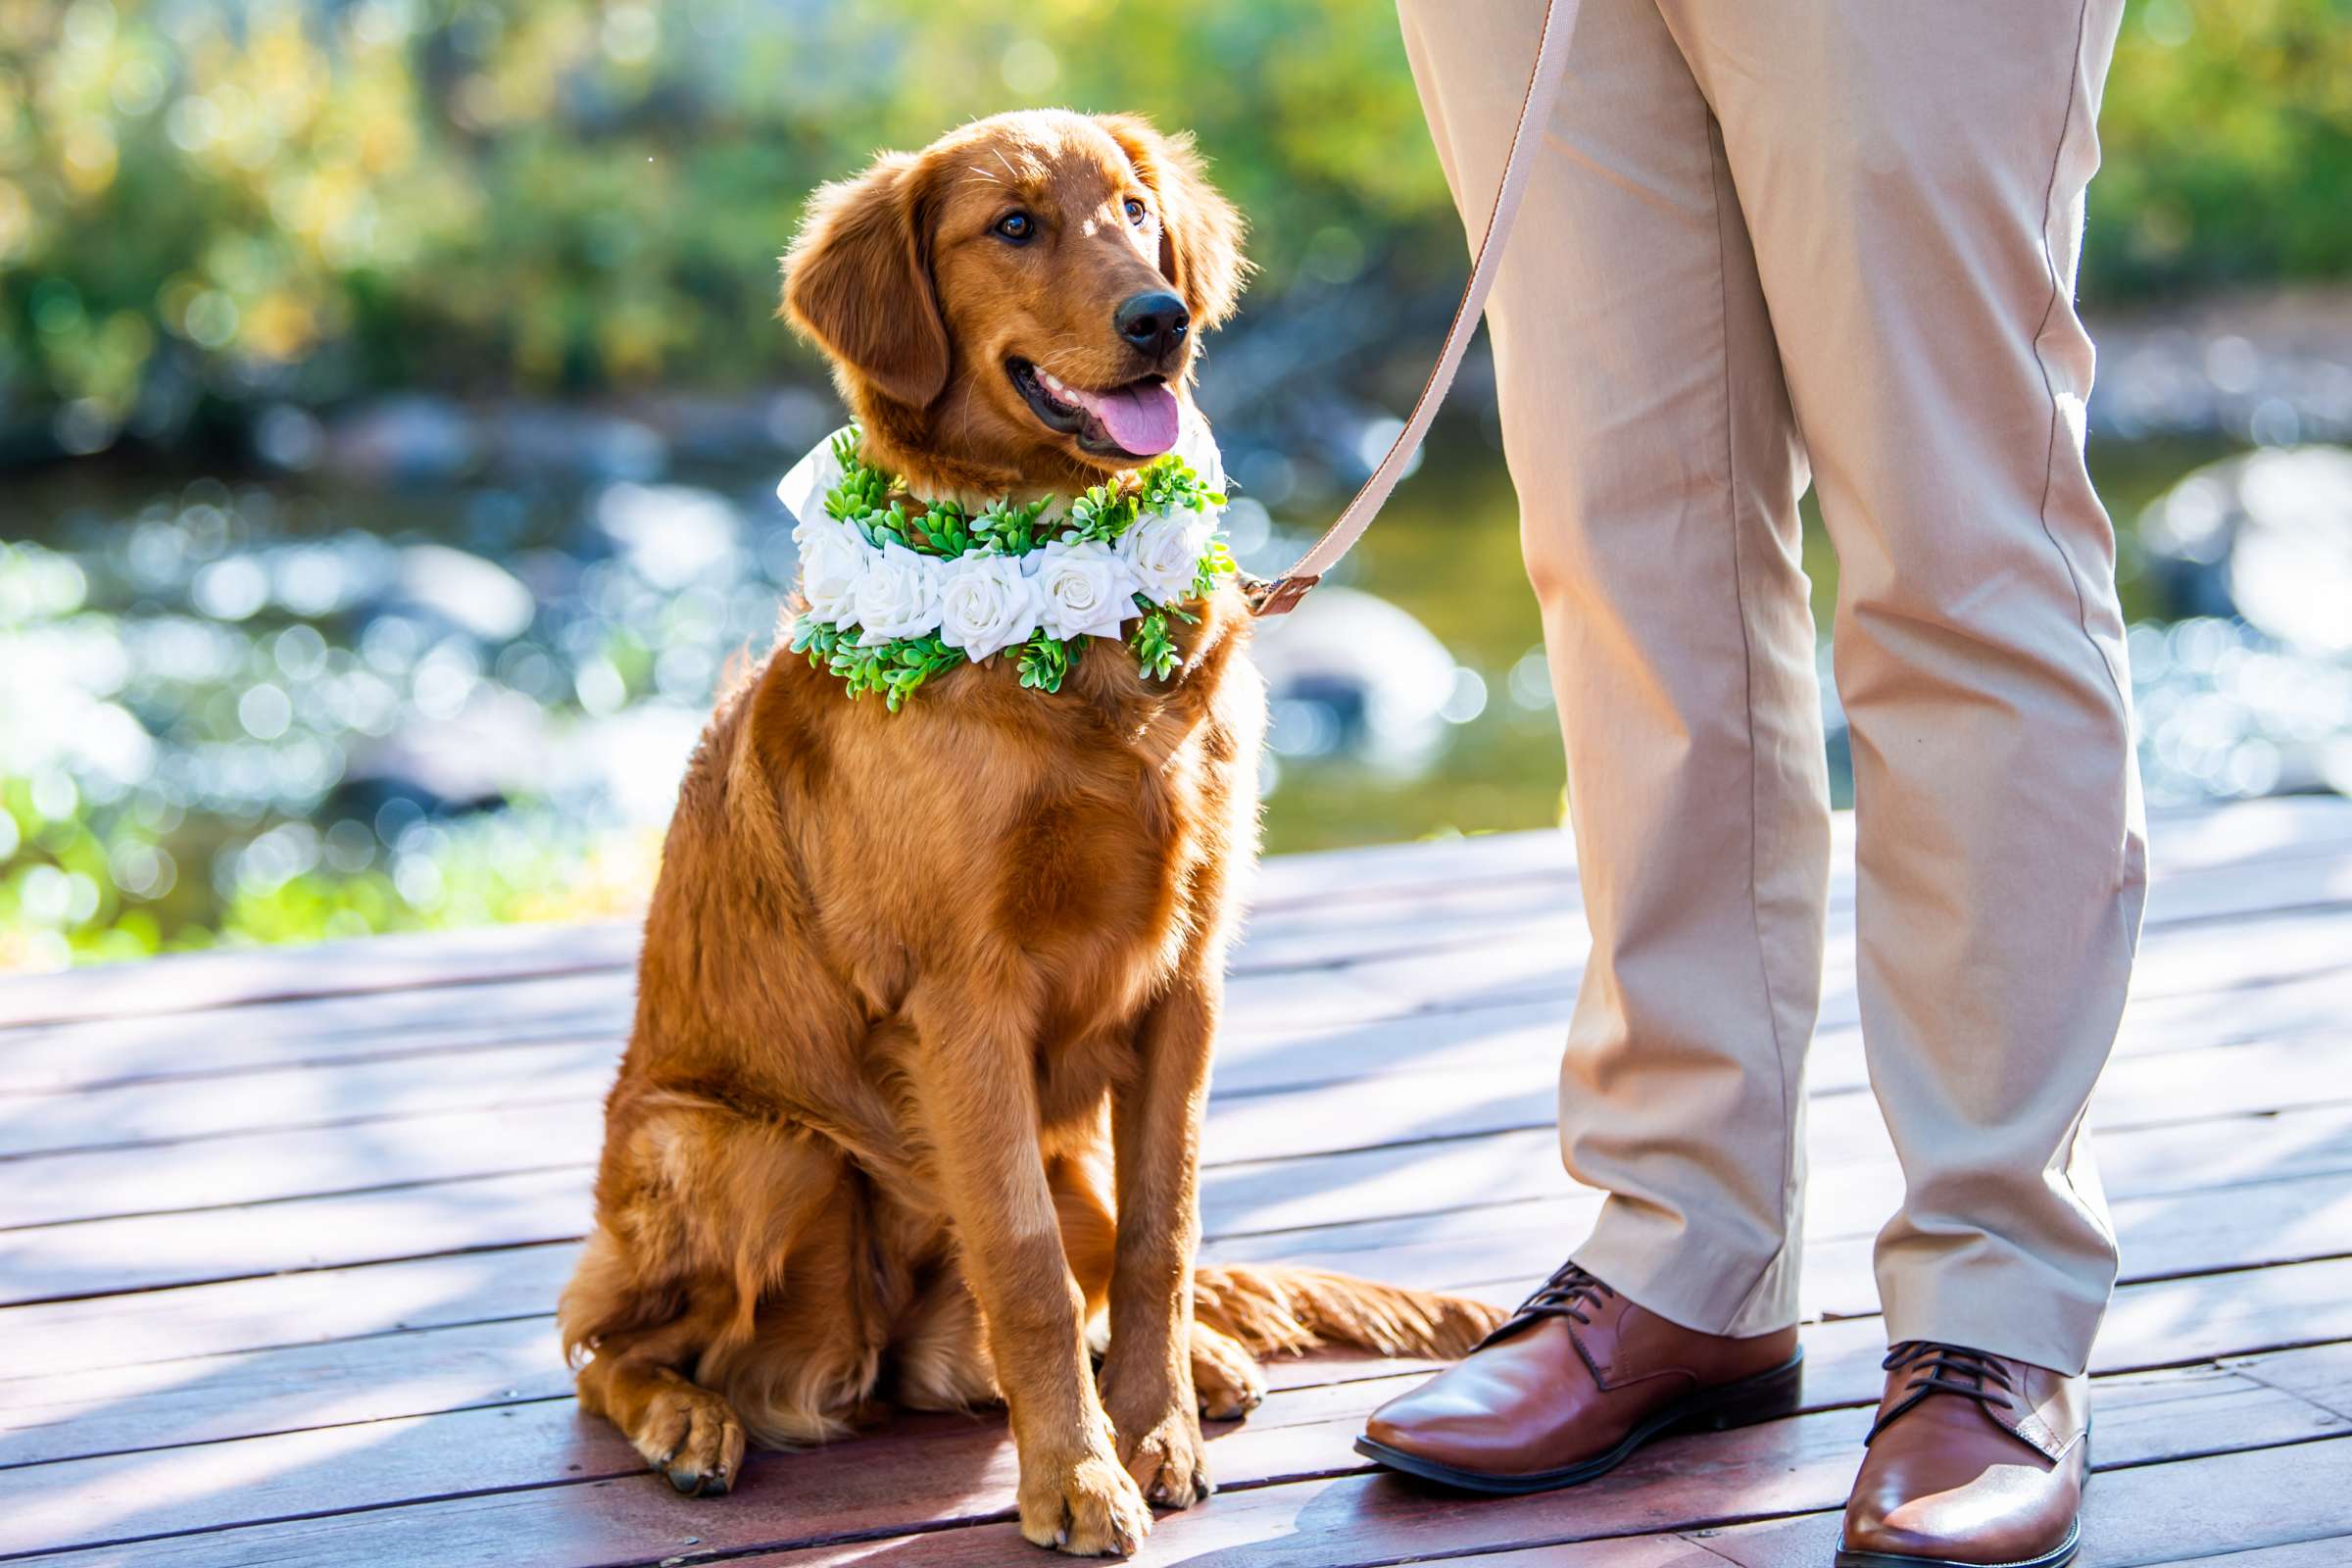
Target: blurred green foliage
205, 203
2228, 134
307, 200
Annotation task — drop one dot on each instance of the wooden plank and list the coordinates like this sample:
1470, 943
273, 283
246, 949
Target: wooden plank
2158, 1168
1787, 1466
210, 1398
1623, 1551
2322, 1376
183, 983
547, 1198
2282, 1221
2188, 839
2329, 1552
302, 1309
272, 1166
2225, 872
105, 1257
1846, 1139
1292, 1034
1534, 971
1507, 1093
1544, 964
1523, 1037
1546, 915
427, 1371
152, 1118
425, 1020
944, 1469
287, 1310
215, 1394
2295, 1006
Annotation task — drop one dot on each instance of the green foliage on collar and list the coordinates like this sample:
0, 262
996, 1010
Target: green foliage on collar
894, 668
1046, 658
878, 505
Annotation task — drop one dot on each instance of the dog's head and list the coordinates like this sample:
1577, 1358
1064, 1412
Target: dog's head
1021, 302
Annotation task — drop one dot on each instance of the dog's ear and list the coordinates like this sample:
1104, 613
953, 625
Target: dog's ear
1200, 232
858, 279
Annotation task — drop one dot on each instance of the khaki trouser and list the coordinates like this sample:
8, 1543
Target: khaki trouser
1834, 239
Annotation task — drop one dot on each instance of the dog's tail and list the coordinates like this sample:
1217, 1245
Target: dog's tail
1278, 1308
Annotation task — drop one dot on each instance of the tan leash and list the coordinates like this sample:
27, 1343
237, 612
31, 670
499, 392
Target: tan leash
1534, 113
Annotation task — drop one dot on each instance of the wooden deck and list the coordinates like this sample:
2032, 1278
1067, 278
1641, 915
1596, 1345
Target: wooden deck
280, 1231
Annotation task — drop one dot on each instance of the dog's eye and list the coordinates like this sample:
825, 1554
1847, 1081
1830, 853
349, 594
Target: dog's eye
1017, 226
1136, 212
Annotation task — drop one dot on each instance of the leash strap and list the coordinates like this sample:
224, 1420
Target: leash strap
1534, 113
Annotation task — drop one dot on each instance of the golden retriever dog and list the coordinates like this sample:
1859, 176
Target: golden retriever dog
912, 1105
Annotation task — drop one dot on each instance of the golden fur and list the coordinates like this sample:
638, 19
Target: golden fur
914, 1089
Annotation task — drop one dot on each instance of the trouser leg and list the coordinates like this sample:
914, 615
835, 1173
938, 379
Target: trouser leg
1912, 176
1649, 434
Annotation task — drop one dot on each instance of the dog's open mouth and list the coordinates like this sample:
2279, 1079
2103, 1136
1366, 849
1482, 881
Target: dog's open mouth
1135, 420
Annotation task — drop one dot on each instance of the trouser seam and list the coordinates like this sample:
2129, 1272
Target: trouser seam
2050, 256
1748, 673
2049, 479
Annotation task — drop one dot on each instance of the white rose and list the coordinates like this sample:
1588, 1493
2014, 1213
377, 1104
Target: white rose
1087, 589
1163, 553
834, 556
986, 605
897, 596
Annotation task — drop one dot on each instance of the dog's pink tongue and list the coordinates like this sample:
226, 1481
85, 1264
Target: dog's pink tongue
1141, 417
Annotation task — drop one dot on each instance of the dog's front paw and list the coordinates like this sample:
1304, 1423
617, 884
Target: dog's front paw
1088, 1507
1168, 1460
691, 1436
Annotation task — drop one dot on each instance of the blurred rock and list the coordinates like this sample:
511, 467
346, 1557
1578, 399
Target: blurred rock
1348, 675
670, 533
496, 748
477, 595
2267, 536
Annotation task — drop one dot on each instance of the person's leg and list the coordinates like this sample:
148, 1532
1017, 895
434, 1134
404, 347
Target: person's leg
1913, 174
1649, 434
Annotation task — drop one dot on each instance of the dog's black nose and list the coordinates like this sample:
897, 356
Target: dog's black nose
1154, 322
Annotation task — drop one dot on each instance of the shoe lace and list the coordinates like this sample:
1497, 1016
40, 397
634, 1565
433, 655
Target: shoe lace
1937, 1368
1565, 1294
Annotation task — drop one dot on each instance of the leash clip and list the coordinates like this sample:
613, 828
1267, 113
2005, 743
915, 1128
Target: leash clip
1280, 596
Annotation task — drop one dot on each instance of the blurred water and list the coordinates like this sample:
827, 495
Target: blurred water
281, 710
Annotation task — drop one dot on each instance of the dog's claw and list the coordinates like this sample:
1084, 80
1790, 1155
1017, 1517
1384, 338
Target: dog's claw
694, 1442
1092, 1510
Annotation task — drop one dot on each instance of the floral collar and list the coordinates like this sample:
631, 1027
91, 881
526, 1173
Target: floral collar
900, 589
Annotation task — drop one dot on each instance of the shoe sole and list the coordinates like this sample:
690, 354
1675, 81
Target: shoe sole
2057, 1556
1766, 1397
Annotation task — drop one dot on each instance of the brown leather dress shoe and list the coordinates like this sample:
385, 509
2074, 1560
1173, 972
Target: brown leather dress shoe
1976, 1459
1571, 1385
